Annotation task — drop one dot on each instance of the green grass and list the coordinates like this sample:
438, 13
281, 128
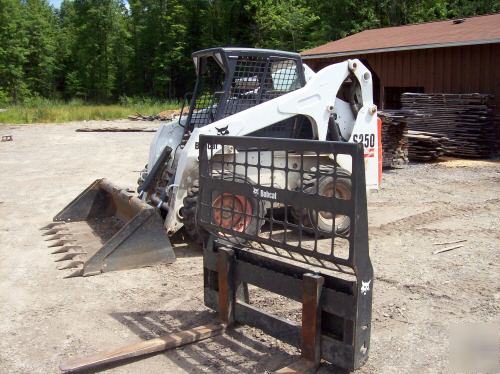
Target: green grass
53, 111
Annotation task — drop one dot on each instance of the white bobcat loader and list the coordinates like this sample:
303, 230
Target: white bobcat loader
238, 92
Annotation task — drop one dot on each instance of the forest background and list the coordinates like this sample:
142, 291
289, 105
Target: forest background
137, 53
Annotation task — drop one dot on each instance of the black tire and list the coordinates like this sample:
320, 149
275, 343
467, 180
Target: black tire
319, 220
142, 177
190, 206
189, 215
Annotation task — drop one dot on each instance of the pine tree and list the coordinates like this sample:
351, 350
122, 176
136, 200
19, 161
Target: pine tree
98, 49
13, 52
66, 77
161, 47
467, 8
283, 24
230, 23
40, 64
102, 49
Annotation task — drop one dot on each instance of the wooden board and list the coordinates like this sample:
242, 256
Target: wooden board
159, 344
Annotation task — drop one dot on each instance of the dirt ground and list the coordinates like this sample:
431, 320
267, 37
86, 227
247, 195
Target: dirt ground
419, 297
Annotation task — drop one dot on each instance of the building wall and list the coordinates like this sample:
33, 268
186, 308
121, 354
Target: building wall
464, 69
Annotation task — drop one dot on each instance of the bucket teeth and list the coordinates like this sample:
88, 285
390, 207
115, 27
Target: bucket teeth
69, 265
60, 243
76, 273
77, 261
57, 236
54, 231
52, 225
66, 249
68, 256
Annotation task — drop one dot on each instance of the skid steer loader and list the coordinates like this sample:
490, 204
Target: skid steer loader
238, 92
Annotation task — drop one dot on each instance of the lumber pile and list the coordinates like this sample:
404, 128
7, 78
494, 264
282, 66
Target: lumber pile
426, 146
496, 122
465, 119
166, 115
394, 141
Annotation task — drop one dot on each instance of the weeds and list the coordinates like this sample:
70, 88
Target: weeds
39, 110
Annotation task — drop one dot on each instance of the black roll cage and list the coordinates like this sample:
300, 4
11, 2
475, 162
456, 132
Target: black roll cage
227, 58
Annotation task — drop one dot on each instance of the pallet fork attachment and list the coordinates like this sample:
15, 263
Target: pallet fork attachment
299, 253
106, 228
173, 340
226, 307
335, 292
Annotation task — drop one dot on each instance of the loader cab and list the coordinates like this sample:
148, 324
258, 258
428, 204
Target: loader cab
230, 80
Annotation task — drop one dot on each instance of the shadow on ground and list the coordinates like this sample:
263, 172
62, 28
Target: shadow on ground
221, 354
218, 354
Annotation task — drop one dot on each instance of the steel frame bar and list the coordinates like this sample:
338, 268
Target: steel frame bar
312, 286
227, 295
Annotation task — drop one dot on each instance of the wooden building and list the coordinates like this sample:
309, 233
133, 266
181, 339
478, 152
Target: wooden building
453, 56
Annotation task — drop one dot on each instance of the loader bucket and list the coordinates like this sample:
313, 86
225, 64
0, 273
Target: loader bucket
106, 229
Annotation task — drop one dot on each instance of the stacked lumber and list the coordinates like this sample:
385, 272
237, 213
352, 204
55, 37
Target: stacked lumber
426, 146
466, 119
166, 115
394, 141
496, 122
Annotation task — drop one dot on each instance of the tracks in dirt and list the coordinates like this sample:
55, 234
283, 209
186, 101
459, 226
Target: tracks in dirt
422, 290
437, 213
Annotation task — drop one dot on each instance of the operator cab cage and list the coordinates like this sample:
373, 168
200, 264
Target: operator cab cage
230, 80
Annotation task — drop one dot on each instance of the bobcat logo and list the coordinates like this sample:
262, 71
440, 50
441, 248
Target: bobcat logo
365, 287
268, 195
222, 130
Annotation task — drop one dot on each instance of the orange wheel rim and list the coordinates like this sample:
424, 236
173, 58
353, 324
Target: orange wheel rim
232, 212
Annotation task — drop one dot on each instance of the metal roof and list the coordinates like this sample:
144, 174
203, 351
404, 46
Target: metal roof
466, 31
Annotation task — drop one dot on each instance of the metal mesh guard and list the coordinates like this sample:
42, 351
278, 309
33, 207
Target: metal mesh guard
296, 216
255, 79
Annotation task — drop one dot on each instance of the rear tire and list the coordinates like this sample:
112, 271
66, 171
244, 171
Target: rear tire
322, 221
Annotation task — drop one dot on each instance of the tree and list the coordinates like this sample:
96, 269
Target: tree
283, 24
99, 49
160, 41
13, 51
40, 65
466, 8
230, 23
391, 13
341, 18
66, 78
171, 52
102, 49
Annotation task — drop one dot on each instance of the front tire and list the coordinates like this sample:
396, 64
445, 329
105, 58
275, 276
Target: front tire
247, 216
189, 208
143, 174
